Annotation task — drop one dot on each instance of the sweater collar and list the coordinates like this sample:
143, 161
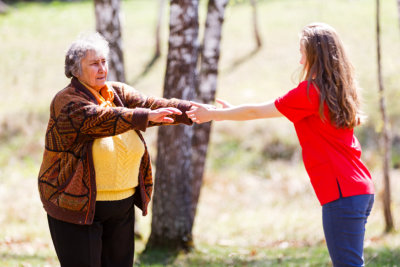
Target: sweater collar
79, 86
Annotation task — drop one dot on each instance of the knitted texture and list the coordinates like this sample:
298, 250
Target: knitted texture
116, 163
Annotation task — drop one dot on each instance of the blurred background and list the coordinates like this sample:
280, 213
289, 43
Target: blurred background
257, 207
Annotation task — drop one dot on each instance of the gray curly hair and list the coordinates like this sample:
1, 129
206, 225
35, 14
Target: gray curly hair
78, 49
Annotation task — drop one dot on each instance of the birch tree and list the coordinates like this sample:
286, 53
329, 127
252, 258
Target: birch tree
172, 220
206, 88
180, 173
389, 225
3, 7
108, 24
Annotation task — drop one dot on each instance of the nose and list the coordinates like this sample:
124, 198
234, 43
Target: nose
103, 66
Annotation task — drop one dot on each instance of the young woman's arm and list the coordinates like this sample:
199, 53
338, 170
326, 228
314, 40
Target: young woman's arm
201, 113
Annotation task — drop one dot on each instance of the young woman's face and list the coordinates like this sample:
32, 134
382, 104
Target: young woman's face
303, 54
94, 70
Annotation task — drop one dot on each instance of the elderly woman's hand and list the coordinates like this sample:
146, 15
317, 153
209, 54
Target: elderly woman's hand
160, 115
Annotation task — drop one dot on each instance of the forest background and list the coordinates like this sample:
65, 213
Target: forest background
256, 207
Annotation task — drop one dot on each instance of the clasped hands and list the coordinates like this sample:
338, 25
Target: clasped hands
198, 113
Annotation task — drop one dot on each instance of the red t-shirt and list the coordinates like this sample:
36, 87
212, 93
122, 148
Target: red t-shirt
331, 155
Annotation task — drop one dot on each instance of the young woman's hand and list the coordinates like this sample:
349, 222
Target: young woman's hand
200, 113
160, 115
223, 103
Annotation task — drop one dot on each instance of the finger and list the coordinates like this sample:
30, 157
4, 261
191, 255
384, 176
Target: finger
168, 119
191, 112
163, 113
195, 104
222, 102
169, 111
176, 111
209, 106
173, 110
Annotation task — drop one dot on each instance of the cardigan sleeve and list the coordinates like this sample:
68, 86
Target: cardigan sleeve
79, 116
134, 99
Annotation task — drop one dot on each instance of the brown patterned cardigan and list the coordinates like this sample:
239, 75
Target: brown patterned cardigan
67, 183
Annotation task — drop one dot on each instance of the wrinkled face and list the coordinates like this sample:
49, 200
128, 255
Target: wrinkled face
303, 58
94, 70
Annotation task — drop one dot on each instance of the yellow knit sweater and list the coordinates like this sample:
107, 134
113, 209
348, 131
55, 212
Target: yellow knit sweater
116, 163
116, 158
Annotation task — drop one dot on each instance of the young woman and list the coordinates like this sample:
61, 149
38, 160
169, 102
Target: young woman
324, 109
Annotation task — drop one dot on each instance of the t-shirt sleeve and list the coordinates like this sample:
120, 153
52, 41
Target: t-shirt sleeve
297, 104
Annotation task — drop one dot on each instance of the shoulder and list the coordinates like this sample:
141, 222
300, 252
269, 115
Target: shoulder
308, 89
63, 94
306, 85
116, 85
121, 88
66, 96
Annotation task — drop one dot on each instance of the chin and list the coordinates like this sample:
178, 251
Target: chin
101, 84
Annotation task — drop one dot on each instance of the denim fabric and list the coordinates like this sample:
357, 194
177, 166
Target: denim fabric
344, 226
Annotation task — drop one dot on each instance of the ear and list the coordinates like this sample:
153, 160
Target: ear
76, 72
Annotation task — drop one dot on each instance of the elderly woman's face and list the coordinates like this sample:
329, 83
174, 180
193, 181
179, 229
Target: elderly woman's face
94, 70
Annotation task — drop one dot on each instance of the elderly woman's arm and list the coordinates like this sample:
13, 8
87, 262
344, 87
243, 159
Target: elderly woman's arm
77, 117
96, 121
135, 99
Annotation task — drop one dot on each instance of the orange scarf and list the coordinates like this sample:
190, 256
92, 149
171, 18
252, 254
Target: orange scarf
104, 97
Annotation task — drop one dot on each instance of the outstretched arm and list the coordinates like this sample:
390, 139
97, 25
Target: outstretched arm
201, 113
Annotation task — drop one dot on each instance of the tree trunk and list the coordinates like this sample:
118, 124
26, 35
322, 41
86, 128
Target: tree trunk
173, 215
3, 7
158, 28
385, 132
255, 23
206, 89
108, 24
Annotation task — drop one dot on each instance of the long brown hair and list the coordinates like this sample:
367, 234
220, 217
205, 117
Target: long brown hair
329, 69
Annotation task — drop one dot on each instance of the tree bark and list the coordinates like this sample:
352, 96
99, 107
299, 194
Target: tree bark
255, 24
3, 7
205, 91
108, 24
389, 225
173, 215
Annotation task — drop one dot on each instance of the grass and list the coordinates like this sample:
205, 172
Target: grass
257, 207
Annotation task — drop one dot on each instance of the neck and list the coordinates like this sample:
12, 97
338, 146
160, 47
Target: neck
93, 88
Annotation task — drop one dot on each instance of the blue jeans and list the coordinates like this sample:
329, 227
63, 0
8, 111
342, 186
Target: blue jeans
344, 226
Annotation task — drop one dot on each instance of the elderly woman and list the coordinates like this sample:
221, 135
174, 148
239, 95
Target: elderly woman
96, 166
